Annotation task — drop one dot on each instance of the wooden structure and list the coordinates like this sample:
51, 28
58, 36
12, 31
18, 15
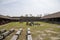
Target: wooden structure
55, 18
16, 36
7, 19
4, 19
5, 34
2, 31
29, 37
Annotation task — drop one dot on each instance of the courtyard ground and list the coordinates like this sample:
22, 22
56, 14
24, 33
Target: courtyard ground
44, 31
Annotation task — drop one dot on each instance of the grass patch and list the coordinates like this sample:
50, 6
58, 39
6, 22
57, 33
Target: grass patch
43, 26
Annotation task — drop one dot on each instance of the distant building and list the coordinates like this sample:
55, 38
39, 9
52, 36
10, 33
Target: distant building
55, 17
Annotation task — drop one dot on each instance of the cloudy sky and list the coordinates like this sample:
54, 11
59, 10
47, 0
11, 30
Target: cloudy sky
34, 7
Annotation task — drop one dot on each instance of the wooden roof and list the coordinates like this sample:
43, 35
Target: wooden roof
54, 15
8, 17
1, 16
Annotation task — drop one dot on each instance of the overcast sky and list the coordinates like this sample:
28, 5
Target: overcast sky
34, 7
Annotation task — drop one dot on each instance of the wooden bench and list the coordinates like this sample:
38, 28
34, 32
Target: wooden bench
29, 37
16, 36
2, 31
2, 36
